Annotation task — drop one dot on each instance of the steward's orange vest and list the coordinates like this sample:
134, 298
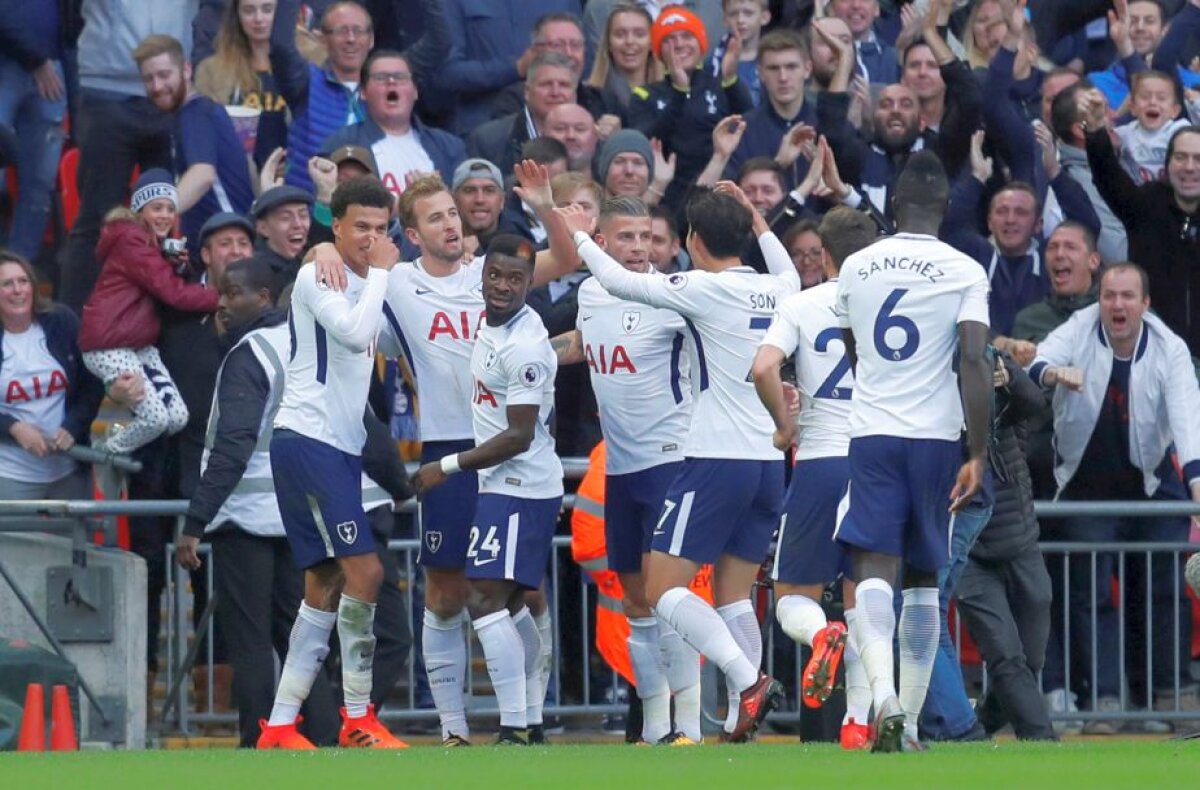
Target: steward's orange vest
589, 550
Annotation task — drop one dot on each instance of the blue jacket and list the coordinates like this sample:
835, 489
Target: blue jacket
319, 103
84, 391
1017, 280
764, 131
446, 150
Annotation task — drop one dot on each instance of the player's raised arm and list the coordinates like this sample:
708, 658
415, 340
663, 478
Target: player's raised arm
355, 326
568, 347
533, 186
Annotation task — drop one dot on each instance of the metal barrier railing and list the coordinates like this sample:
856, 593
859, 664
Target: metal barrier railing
80, 518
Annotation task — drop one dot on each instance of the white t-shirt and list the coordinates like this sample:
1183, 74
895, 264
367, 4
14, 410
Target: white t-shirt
35, 391
904, 297
437, 320
334, 337
639, 373
1143, 152
726, 314
807, 325
514, 365
397, 155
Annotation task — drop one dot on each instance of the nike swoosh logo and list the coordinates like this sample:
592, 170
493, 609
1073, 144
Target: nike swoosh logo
423, 291
479, 562
585, 318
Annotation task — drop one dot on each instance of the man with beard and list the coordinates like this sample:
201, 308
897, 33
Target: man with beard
282, 219
211, 166
870, 163
478, 189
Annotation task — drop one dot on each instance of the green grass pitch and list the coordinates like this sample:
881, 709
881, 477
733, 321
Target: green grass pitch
1122, 764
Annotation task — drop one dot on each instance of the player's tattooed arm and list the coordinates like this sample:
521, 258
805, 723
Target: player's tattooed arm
568, 347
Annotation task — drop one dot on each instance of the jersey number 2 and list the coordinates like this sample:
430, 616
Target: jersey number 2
888, 320
490, 545
829, 387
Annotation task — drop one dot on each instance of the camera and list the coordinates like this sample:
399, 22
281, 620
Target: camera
173, 248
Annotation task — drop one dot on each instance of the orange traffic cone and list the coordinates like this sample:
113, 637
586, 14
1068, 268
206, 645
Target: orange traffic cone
33, 722
62, 722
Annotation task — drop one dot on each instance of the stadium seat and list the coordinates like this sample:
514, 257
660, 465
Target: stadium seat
68, 187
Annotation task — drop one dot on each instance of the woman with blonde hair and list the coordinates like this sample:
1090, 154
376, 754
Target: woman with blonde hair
624, 60
238, 73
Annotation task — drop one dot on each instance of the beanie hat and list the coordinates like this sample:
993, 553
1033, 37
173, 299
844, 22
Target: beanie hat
153, 184
623, 142
672, 19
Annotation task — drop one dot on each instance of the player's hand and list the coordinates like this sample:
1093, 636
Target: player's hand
331, 271
576, 219
128, 389
429, 476
784, 438
323, 173
966, 484
727, 134
1071, 378
734, 191
30, 438
384, 254
533, 181
791, 396
187, 552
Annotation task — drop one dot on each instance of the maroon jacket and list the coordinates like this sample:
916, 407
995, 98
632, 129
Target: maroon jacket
122, 311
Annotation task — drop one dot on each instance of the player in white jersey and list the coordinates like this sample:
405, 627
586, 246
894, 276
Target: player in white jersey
520, 478
806, 556
724, 505
316, 466
434, 306
907, 304
638, 370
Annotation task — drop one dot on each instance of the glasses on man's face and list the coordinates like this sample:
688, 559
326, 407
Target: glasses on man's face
563, 44
812, 255
398, 77
346, 31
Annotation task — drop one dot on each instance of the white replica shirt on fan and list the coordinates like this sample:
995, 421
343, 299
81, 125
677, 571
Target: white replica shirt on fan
726, 314
436, 320
333, 343
35, 392
514, 365
807, 325
639, 374
397, 155
904, 297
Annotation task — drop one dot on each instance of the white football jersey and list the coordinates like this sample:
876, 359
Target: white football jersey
726, 314
436, 320
514, 365
904, 297
638, 368
333, 342
807, 324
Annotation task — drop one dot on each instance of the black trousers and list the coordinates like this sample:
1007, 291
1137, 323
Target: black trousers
1005, 605
258, 595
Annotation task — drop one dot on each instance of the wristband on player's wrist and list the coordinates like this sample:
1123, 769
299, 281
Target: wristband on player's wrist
449, 464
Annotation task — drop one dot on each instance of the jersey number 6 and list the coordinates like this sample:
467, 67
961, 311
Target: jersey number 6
887, 320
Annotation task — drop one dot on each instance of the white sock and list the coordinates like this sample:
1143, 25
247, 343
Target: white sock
742, 622
651, 678
444, 647
545, 628
356, 633
307, 648
531, 641
702, 628
858, 688
682, 664
875, 628
920, 621
505, 654
800, 617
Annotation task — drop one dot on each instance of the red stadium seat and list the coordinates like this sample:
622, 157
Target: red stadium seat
68, 187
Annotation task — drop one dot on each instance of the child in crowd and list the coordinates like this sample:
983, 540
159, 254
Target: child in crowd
746, 19
141, 266
1144, 139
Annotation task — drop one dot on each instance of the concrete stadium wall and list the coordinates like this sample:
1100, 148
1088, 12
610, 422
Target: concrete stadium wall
113, 669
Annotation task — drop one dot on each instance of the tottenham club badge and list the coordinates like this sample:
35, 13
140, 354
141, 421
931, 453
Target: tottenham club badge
348, 531
630, 320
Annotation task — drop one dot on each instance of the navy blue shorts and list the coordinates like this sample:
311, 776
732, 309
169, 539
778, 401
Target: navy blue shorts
511, 538
632, 504
319, 491
445, 512
806, 552
718, 506
900, 498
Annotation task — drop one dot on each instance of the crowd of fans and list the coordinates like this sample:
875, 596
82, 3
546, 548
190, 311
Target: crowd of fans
213, 130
